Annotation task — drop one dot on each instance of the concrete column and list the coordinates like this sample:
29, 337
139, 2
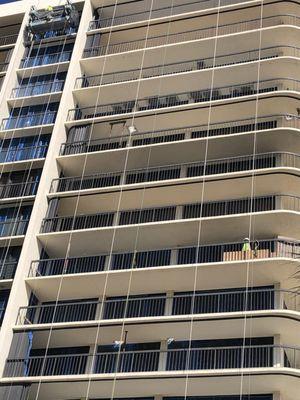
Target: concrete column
179, 212
116, 219
163, 356
123, 178
278, 297
276, 396
100, 308
174, 254
169, 303
89, 365
188, 135
108, 260
278, 356
183, 171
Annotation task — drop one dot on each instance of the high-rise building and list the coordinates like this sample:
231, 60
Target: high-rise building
149, 200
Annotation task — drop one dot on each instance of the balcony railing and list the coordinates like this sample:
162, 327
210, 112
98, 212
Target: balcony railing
3, 66
2, 311
37, 89
179, 99
195, 34
171, 213
205, 358
46, 59
8, 269
24, 121
14, 227
204, 254
12, 154
21, 189
187, 66
176, 171
160, 12
234, 300
172, 135
7, 40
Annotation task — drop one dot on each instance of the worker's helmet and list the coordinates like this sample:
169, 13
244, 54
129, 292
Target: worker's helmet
246, 239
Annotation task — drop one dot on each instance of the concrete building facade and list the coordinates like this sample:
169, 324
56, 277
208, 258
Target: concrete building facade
149, 200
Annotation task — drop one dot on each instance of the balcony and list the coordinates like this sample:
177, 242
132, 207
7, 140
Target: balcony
176, 171
93, 230
8, 40
3, 67
14, 154
191, 35
201, 359
37, 89
171, 213
186, 66
155, 12
22, 189
212, 253
7, 270
186, 98
46, 59
221, 301
14, 227
172, 135
30, 120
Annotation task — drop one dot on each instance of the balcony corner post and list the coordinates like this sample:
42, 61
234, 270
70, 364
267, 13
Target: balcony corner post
278, 354
278, 297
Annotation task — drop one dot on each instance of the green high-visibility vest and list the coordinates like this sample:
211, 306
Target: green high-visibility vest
246, 247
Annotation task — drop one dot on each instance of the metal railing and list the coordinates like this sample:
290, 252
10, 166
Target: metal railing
160, 12
203, 254
171, 213
24, 121
12, 154
3, 66
181, 134
176, 171
221, 301
14, 227
21, 189
37, 89
8, 269
9, 39
2, 311
185, 98
46, 59
190, 35
187, 66
59, 224
54, 33
203, 358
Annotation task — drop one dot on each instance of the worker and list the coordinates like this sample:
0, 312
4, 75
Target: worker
256, 247
246, 247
